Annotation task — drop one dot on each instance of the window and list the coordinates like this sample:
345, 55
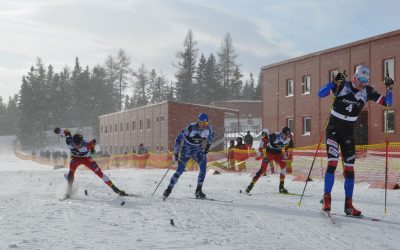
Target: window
162, 118
388, 121
121, 127
115, 128
289, 123
289, 87
101, 129
105, 129
332, 74
127, 127
148, 124
388, 68
157, 119
111, 128
306, 84
140, 125
306, 125
162, 148
133, 126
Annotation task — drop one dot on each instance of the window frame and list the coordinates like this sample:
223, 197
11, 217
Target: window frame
291, 92
306, 91
385, 69
391, 112
306, 133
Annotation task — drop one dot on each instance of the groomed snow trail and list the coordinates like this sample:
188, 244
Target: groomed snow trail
33, 217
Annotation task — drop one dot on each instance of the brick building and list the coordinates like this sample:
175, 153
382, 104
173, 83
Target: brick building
290, 89
156, 126
250, 114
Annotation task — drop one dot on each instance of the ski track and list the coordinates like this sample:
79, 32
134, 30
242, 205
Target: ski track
33, 217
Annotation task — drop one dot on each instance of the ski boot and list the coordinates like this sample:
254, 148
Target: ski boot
167, 192
117, 190
249, 188
282, 189
326, 202
349, 209
199, 194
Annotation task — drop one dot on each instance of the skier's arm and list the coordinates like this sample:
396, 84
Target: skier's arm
180, 138
63, 132
333, 85
326, 89
91, 145
210, 140
383, 100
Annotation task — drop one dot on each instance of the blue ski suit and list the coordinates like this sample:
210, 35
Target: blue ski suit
189, 145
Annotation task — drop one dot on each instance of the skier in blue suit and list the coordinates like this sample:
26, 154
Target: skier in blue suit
188, 145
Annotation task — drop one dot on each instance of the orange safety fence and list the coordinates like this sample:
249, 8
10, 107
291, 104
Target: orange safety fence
369, 166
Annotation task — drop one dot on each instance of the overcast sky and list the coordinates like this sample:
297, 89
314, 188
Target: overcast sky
152, 31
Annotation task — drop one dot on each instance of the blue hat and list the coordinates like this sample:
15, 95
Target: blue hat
203, 117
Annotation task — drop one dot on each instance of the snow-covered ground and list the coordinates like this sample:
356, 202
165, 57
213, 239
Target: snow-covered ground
33, 217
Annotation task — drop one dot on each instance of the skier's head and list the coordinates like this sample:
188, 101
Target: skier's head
232, 143
239, 141
361, 77
202, 120
265, 132
77, 140
286, 132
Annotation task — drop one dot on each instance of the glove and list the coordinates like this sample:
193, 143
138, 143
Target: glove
207, 149
57, 131
388, 82
340, 77
176, 157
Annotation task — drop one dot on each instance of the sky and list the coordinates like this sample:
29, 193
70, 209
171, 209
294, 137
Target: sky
153, 31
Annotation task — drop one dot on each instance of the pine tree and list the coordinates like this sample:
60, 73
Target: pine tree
186, 69
200, 89
227, 63
141, 87
111, 69
248, 89
124, 73
258, 91
213, 81
236, 84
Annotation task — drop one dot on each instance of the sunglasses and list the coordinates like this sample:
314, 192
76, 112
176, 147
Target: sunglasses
204, 123
362, 80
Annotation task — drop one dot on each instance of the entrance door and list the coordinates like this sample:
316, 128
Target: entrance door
361, 129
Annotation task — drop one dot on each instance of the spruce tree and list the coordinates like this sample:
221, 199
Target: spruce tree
186, 69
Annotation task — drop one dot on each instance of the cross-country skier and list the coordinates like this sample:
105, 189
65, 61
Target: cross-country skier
273, 147
81, 151
349, 99
188, 145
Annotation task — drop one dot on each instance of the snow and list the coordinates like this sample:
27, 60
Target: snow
33, 217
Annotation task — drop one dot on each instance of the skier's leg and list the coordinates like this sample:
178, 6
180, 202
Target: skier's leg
92, 165
349, 157
260, 172
332, 149
278, 159
73, 165
201, 159
183, 159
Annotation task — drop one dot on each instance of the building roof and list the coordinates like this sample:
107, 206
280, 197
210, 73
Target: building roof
168, 102
366, 40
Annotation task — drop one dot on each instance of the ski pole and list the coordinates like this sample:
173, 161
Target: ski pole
319, 144
162, 178
387, 141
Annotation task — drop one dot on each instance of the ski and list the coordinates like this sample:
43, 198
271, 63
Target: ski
211, 199
361, 217
328, 214
293, 194
134, 195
